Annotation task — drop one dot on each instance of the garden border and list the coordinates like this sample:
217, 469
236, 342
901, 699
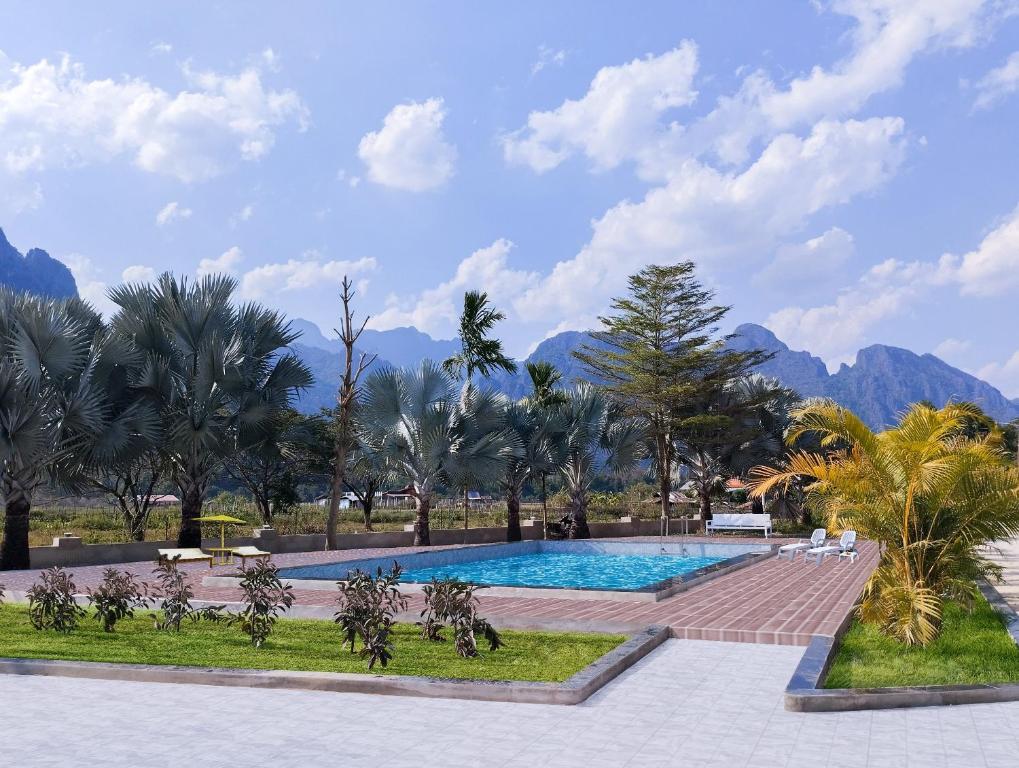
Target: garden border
574, 690
805, 694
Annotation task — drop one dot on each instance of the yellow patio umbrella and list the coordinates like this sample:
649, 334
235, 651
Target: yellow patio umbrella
224, 521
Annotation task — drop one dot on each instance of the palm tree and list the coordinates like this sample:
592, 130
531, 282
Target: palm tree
597, 441
482, 442
931, 496
478, 353
547, 397
56, 359
216, 370
369, 471
541, 439
426, 431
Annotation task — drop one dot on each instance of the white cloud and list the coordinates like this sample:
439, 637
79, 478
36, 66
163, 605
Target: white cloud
244, 214
950, 349
819, 260
160, 48
835, 330
52, 115
1005, 376
548, 57
410, 151
91, 286
271, 59
138, 273
993, 267
618, 118
717, 218
225, 264
172, 212
296, 274
999, 83
436, 310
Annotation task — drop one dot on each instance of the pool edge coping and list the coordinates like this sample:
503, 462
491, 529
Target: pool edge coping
805, 694
574, 690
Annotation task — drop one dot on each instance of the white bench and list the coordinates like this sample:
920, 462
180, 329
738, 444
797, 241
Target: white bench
744, 521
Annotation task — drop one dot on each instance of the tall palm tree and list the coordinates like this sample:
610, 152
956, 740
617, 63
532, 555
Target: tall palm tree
542, 450
597, 441
426, 431
478, 353
217, 371
931, 496
56, 423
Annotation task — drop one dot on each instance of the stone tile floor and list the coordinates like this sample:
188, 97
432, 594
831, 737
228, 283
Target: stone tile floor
774, 601
690, 703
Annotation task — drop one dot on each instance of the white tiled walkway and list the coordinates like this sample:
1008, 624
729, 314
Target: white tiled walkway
691, 703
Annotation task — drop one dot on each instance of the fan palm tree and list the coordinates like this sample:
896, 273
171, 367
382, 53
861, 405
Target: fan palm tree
926, 492
546, 396
597, 441
427, 432
541, 439
56, 421
217, 372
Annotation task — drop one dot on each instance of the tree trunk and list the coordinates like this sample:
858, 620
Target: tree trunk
366, 507
137, 526
665, 490
544, 509
14, 549
513, 516
190, 534
264, 509
757, 505
467, 508
705, 499
578, 515
339, 471
423, 502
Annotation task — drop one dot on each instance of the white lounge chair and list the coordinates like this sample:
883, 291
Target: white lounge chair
845, 548
245, 552
817, 539
186, 555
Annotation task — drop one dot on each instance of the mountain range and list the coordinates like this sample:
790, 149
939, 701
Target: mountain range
36, 271
881, 382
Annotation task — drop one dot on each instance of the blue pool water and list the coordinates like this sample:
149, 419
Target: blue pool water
554, 569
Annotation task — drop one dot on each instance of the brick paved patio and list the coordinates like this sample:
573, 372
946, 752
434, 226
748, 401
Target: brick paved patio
774, 601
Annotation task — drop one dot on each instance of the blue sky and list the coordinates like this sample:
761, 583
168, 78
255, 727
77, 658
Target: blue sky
843, 172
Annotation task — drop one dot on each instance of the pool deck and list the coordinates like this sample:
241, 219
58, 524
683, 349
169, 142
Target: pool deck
774, 601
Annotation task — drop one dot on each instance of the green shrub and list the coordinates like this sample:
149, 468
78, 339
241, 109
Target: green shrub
51, 603
265, 598
452, 601
368, 608
116, 597
175, 593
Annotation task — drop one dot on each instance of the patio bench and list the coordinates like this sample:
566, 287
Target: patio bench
747, 521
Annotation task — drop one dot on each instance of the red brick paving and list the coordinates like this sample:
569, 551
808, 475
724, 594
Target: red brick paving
774, 601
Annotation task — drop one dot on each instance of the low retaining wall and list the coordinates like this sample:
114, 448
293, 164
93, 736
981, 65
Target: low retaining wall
70, 551
805, 693
572, 691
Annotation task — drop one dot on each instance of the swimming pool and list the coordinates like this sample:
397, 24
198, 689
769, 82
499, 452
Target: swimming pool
568, 570
643, 570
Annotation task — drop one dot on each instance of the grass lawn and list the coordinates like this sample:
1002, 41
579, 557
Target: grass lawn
301, 645
972, 648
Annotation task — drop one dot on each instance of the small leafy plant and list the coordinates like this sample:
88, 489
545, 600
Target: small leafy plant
175, 593
452, 602
51, 603
368, 608
116, 597
265, 598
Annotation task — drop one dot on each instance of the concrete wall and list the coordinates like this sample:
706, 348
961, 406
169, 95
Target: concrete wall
69, 550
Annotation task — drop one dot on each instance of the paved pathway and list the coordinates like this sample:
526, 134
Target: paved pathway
690, 703
1006, 554
774, 601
